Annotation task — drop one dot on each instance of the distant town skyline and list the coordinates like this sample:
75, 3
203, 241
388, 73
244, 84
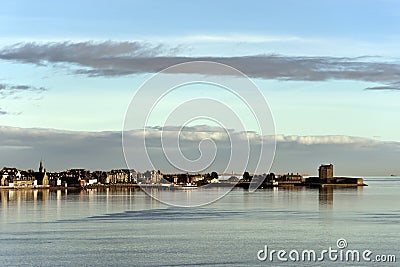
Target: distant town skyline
103, 151
329, 71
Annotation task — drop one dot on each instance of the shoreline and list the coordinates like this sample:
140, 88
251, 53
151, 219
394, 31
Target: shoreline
244, 185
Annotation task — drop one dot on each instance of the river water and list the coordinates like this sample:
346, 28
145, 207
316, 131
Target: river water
128, 228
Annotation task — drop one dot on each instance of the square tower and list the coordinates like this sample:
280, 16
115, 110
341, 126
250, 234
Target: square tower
326, 173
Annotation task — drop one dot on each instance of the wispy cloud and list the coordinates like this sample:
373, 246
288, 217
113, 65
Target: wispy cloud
103, 150
7, 90
19, 91
325, 139
390, 87
88, 53
125, 58
237, 38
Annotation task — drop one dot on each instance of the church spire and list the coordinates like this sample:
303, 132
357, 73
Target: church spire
41, 166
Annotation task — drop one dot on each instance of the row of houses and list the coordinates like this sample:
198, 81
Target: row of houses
13, 177
82, 177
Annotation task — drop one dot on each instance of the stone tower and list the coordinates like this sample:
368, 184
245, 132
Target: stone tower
326, 173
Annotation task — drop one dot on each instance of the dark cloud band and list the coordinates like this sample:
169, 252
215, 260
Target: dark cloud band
125, 58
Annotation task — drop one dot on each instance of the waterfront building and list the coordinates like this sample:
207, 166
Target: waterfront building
100, 176
13, 177
8, 175
121, 176
326, 178
4, 180
73, 177
156, 177
214, 181
190, 178
41, 176
290, 179
326, 173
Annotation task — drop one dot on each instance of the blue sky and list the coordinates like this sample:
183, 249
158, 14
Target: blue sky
363, 20
340, 74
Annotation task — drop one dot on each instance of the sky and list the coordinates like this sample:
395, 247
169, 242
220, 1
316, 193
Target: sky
329, 70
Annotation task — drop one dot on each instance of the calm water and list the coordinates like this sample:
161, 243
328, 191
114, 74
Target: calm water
128, 228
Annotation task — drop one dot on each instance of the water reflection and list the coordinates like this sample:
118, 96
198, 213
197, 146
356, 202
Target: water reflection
23, 195
17, 204
326, 194
129, 197
43, 195
145, 236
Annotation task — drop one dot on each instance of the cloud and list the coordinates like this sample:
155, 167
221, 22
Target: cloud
26, 88
326, 139
200, 132
88, 54
390, 87
18, 92
125, 58
60, 149
237, 38
189, 133
9, 90
23, 148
